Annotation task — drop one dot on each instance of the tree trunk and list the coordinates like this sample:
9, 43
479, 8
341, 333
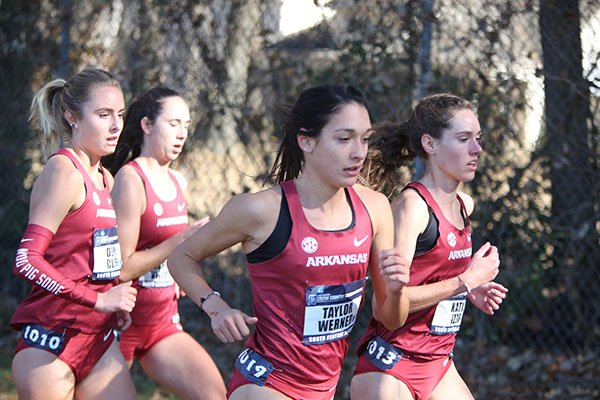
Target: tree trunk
571, 164
64, 65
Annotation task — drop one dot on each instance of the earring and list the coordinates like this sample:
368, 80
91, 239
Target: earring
73, 125
306, 145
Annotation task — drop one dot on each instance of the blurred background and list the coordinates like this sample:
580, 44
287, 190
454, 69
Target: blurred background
530, 66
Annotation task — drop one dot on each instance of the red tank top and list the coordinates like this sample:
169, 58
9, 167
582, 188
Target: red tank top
156, 301
431, 333
79, 251
307, 297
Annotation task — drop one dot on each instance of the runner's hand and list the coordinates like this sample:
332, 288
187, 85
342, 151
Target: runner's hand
179, 293
231, 325
123, 320
394, 269
483, 268
117, 298
488, 297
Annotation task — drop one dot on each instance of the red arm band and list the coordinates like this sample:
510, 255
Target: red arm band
31, 266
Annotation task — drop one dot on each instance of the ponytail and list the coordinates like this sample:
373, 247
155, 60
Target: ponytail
395, 145
389, 150
310, 113
54, 98
289, 160
47, 117
130, 143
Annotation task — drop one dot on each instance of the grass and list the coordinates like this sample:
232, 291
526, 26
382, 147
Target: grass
147, 389
7, 384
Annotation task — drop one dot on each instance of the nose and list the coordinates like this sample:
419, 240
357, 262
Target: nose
116, 123
475, 147
182, 132
359, 150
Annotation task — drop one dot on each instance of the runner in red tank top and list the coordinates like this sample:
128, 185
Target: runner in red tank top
152, 218
70, 252
433, 231
310, 241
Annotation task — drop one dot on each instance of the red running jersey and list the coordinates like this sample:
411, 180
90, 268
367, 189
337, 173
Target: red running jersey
156, 301
84, 249
431, 333
307, 297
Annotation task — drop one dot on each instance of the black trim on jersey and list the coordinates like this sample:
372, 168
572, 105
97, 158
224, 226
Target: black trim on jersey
429, 237
463, 212
278, 239
353, 222
280, 236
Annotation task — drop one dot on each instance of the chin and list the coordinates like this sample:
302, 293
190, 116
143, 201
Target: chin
469, 177
348, 182
107, 152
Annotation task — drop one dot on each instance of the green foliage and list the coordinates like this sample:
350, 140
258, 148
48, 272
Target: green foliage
146, 388
7, 384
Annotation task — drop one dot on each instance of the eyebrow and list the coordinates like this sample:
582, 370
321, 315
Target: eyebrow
467, 132
178, 119
108, 109
352, 130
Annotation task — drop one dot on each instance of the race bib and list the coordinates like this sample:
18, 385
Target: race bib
107, 254
448, 315
382, 354
159, 277
41, 338
253, 367
330, 311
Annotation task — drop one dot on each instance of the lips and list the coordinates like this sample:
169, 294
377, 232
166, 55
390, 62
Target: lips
353, 171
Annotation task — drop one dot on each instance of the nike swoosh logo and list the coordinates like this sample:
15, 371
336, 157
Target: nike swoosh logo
357, 243
107, 335
26, 240
180, 207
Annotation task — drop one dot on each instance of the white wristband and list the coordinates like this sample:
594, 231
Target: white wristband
204, 298
464, 284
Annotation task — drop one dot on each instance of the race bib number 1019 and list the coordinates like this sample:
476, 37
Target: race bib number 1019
253, 367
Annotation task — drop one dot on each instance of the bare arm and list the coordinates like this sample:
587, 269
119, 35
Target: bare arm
388, 270
410, 219
129, 198
244, 219
58, 190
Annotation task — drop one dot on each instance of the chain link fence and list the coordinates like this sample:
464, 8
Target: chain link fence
537, 97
